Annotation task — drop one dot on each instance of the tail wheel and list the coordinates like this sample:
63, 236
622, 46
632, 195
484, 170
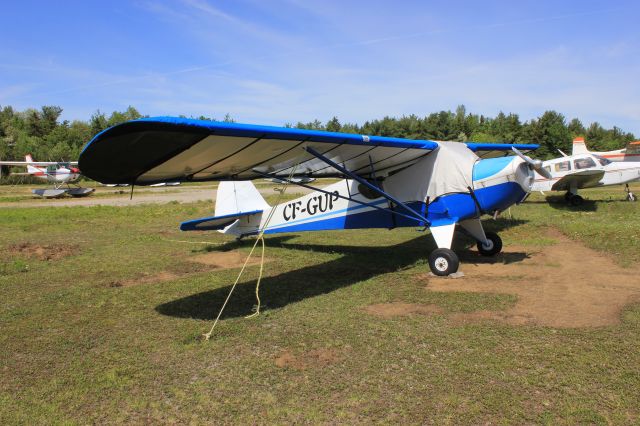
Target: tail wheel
443, 262
492, 246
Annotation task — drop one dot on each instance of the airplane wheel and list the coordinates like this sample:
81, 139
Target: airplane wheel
631, 197
493, 245
443, 262
576, 200
567, 196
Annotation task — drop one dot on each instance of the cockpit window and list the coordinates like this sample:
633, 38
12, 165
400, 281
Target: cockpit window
564, 166
603, 161
584, 163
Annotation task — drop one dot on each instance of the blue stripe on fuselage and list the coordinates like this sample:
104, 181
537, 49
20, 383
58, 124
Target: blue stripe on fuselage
452, 207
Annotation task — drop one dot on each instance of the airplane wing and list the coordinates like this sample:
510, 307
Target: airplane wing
37, 163
166, 149
582, 179
490, 150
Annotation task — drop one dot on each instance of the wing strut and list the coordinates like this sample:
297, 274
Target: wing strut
364, 182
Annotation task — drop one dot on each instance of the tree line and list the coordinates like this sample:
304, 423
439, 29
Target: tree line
552, 131
40, 132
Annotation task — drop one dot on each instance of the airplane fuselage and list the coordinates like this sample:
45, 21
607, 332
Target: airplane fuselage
497, 184
55, 174
590, 171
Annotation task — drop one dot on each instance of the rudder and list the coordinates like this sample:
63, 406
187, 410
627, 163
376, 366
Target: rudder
238, 197
579, 146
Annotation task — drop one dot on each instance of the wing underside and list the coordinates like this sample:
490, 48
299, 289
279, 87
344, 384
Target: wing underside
578, 180
168, 149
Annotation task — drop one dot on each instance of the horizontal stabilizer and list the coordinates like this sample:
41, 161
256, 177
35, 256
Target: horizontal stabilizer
214, 223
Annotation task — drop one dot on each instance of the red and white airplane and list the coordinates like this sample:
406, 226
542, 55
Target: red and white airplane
56, 173
630, 153
586, 169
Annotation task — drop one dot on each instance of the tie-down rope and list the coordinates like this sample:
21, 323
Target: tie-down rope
260, 238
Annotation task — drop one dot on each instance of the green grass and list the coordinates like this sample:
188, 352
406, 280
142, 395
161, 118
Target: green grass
75, 348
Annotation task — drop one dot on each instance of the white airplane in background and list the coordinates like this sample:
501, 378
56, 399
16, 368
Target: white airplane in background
388, 182
585, 170
630, 153
54, 172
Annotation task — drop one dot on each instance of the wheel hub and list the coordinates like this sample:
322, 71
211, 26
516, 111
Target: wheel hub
441, 264
488, 245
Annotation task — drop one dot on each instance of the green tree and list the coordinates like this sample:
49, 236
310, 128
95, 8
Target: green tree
333, 125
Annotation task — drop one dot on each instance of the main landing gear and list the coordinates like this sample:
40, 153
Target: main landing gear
630, 195
573, 199
443, 261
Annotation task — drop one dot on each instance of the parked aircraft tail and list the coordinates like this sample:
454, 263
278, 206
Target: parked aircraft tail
235, 201
238, 197
30, 169
579, 146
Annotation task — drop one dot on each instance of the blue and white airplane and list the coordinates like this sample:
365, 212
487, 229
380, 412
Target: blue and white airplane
389, 182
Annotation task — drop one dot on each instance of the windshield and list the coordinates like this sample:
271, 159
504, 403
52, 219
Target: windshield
584, 163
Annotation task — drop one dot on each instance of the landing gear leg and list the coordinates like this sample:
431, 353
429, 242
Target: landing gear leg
630, 195
572, 196
489, 243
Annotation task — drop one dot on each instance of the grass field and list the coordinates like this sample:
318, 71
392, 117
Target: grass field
102, 313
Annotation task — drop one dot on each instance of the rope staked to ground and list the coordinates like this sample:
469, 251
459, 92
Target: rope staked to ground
260, 238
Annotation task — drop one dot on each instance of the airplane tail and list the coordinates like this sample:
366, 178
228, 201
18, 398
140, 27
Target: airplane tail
579, 146
238, 197
236, 201
30, 169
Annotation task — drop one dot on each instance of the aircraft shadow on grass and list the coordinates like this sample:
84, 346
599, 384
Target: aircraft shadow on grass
559, 203
357, 263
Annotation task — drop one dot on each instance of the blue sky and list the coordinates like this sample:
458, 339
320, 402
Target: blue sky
273, 62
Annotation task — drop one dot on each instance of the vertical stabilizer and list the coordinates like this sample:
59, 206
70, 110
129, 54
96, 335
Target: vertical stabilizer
31, 169
579, 146
238, 197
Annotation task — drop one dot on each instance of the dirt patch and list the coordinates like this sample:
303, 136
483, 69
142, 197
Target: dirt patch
212, 261
146, 279
398, 309
563, 285
43, 252
312, 359
226, 259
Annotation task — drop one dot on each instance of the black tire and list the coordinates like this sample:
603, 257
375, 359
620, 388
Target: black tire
576, 200
493, 247
631, 197
443, 262
567, 196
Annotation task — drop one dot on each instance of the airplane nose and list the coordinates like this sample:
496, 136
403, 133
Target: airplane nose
524, 175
